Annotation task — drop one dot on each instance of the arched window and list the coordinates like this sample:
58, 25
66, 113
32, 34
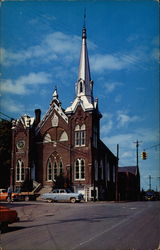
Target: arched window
80, 135
79, 169
54, 168
64, 136
47, 138
20, 174
81, 87
77, 128
18, 171
49, 171
83, 128
60, 168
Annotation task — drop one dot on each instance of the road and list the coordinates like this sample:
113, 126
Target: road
84, 226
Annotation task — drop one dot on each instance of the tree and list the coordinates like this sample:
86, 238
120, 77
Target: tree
61, 182
27, 185
5, 152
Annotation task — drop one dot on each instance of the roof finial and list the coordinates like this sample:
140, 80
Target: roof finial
84, 21
55, 94
84, 35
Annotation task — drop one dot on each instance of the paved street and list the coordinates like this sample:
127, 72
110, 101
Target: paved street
87, 226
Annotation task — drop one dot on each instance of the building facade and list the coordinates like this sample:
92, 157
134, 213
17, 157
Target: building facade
129, 183
66, 143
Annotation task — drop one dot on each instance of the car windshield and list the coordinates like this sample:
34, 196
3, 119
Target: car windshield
149, 193
68, 191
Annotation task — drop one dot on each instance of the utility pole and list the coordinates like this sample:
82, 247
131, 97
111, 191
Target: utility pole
137, 154
137, 145
117, 172
158, 183
149, 182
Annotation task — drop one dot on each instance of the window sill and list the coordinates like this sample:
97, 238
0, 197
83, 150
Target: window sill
79, 179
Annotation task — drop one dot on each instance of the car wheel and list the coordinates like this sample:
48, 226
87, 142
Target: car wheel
73, 200
3, 227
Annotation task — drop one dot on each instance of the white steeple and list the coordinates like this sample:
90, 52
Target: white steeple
84, 84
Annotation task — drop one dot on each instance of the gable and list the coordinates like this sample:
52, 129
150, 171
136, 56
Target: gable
54, 117
23, 123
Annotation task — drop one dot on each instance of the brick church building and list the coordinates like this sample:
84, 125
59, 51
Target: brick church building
66, 143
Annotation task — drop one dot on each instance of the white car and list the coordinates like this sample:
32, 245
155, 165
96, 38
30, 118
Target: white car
62, 195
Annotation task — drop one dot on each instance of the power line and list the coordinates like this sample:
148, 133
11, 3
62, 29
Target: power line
6, 116
154, 146
63, 25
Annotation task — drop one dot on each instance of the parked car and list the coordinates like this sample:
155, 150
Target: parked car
62, 195
4, 195
150, 196
7, 216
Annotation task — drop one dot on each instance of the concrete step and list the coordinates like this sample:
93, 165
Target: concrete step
45, 189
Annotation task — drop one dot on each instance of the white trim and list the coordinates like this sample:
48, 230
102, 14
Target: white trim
80, 172
80, 135
63, 136
20, 174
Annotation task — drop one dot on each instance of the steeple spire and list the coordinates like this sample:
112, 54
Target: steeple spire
84, 83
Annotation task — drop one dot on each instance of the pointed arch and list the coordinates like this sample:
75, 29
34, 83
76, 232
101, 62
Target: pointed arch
64, 136
54, 167
77, 127
83, 127
80, 87
47, 138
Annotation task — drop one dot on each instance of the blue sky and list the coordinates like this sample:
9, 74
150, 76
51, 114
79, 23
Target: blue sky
40, 49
